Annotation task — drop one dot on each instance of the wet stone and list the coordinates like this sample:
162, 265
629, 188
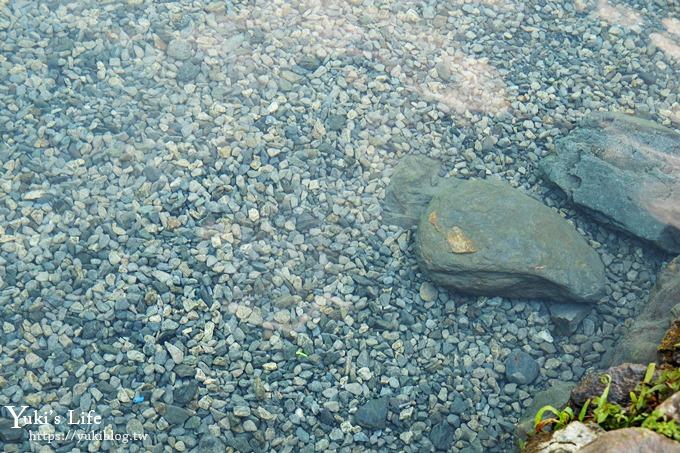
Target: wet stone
185, 393
134, 427
8, 433
442, 436
176, 415
188, 72
180, 49
373, 413
151, 173
521, 368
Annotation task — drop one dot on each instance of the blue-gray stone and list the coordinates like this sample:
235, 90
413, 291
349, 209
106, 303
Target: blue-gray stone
373, 414
442, 436
619, 168
484, 237
459, 405
520, 368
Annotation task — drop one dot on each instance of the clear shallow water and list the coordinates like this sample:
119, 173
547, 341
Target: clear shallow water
191, 213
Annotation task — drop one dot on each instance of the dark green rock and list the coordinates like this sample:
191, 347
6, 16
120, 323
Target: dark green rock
309, 62
483, 237
188, 72
185, 393
8, 433
459, 406
210, 444
176, 415
411, 187
185, 370
336, 122
442, 436
639, 343
567, 316
625, 171
239, 442
373, 414
521, 368
556, 396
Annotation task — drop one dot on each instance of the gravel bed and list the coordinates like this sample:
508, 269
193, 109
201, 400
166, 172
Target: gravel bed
191, 241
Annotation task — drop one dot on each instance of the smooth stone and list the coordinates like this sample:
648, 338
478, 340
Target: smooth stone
249, 426
241, 411
135, 427
353, 388
670, 407
624, 171
483, 237
631, 440
428, 292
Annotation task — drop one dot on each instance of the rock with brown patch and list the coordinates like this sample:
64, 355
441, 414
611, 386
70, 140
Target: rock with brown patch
487, 238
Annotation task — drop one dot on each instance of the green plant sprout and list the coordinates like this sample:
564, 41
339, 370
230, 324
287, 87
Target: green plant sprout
610, 416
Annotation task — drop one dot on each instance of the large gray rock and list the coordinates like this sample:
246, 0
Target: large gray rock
484, 237
640, 342
638, 440
411, 187
626, 172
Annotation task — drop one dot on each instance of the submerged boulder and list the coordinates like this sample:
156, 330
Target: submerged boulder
626, 172
411, 187
484, 237
640, 342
